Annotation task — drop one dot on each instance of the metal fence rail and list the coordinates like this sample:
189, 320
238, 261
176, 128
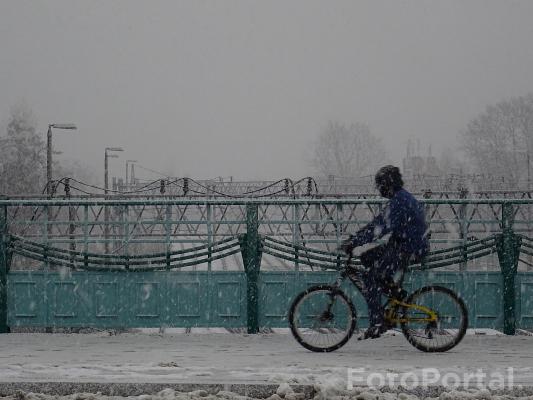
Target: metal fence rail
142, 226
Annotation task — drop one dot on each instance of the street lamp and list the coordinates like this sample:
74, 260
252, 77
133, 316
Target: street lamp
49, 152
527, 150
127, 162
106, 174
106, 188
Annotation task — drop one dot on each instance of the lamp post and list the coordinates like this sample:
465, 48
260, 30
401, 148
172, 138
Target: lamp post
106, 189
127, 162
49, 152
528, 171
106, 173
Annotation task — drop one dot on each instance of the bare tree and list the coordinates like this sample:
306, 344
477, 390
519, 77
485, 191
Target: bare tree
499, 141
348, 151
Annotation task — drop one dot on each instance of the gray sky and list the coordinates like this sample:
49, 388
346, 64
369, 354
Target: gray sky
242, 88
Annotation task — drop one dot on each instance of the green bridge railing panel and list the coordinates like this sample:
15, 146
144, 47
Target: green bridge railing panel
481, 292
125, 263
4, 264
199, 299
142, 299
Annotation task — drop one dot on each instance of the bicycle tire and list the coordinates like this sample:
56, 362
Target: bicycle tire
426, 341
299, 330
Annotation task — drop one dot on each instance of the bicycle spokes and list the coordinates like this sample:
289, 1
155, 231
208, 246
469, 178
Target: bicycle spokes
322, 318
433, 319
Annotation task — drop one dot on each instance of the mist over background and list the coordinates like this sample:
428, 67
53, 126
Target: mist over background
243, 89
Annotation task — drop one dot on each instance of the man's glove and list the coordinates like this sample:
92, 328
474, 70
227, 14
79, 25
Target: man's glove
347, 245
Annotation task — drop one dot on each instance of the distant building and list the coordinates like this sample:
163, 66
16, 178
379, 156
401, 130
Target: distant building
416, 165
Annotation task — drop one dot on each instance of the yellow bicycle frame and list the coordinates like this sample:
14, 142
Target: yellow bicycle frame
390, 313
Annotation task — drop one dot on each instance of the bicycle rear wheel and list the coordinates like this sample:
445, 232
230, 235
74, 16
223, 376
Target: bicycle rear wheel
322, 318
434, 334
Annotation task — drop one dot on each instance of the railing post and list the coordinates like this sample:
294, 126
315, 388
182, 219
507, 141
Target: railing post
3, 270
185, 186
251, 255
508, 247
463, 194
71, 217
295, 234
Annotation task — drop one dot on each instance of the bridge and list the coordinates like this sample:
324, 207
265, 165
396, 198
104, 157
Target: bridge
236, 263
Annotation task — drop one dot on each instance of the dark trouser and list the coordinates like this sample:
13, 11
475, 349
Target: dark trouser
381, 262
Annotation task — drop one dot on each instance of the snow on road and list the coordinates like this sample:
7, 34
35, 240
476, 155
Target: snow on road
241, 358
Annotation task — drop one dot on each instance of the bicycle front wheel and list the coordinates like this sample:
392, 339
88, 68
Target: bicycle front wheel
435, 319
322, 318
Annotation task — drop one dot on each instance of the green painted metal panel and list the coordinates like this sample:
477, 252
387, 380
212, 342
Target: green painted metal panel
186, 299
488, 305
26, 292
202, 299
147, 299
4, 267
186, 302
276, 291
126, 299
26, 306
270, 292
524, 290
64, 290
228, 299
228, 296
481, 291
109, 297
106, 298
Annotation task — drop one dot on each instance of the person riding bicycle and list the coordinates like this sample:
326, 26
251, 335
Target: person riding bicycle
404, 219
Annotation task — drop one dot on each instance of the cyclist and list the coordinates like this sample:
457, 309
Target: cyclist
404, 219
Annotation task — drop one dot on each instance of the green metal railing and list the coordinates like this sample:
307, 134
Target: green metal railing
300, 235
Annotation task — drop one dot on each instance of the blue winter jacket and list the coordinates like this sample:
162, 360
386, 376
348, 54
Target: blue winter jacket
404, 219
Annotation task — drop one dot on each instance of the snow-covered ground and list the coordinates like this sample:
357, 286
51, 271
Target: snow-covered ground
240, 358
282, 393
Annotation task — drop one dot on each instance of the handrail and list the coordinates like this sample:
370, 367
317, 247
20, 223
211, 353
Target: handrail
93, 261
15, 238
434, 259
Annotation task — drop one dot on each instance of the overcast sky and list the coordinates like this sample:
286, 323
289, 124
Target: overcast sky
242, 88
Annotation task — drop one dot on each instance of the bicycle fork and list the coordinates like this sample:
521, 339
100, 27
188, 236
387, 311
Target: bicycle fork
336, 289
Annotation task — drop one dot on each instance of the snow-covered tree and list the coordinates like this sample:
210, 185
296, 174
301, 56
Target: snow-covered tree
22, 154
348, 151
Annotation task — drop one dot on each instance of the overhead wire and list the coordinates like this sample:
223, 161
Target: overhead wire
289, 188
208, 190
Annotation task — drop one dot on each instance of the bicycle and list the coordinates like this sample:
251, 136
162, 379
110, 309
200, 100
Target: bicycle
323, 318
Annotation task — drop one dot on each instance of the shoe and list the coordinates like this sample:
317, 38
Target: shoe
402, 294
373, 332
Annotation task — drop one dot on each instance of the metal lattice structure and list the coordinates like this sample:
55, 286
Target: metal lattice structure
131, 227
